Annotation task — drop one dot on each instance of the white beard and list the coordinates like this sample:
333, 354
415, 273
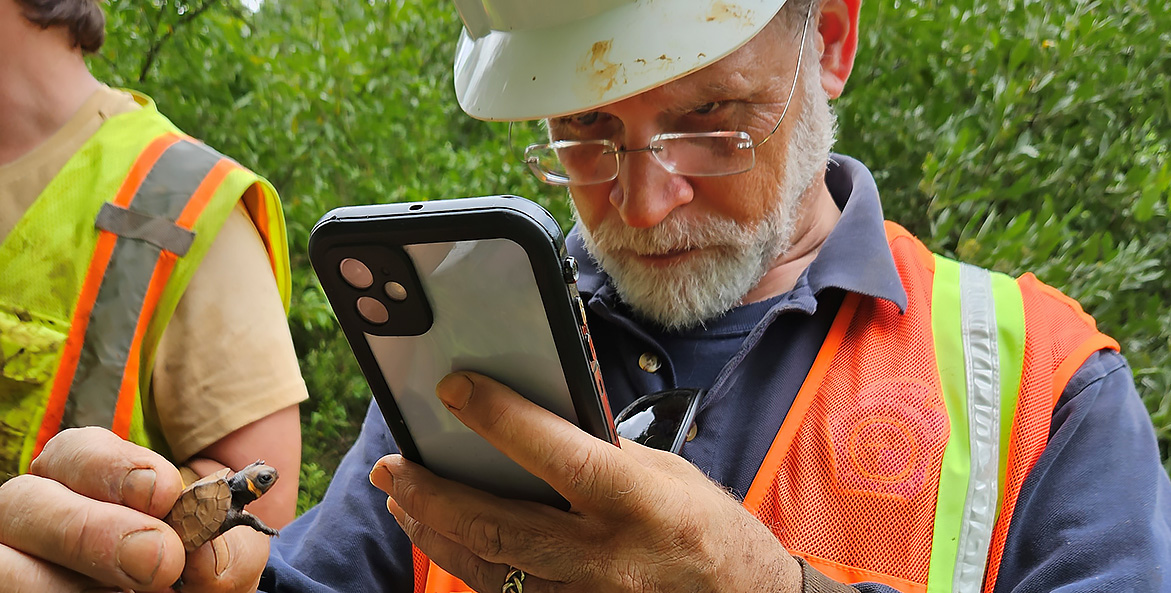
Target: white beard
733, 257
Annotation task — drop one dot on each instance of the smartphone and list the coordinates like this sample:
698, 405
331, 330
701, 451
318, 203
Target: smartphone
480, 284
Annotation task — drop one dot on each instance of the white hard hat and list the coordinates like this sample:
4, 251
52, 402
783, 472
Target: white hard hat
531, 59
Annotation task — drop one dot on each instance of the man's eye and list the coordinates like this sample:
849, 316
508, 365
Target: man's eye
707, 108
586, 119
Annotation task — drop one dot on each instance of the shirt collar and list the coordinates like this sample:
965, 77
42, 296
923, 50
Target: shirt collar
855, 256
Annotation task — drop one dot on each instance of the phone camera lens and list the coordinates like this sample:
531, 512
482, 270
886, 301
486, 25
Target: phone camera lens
397, 292
356, 273
373, 311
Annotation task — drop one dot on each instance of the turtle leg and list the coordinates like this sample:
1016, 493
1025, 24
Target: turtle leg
235, 518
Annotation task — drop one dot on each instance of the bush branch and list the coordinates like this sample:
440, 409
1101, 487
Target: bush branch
155, 47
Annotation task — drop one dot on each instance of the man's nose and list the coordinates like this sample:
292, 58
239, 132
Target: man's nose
645, 193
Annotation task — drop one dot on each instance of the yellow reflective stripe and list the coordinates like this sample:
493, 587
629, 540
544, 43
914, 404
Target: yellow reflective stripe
1010, 321
947, 327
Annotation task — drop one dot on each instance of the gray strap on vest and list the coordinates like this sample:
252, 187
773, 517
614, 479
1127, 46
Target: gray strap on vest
144, 231
157, 231
982, 362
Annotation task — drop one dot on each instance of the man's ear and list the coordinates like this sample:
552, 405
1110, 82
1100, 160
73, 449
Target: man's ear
837, 41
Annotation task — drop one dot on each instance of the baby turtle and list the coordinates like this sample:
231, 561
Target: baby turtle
215, 504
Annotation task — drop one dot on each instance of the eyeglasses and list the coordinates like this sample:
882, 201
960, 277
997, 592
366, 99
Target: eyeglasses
662, 420
691, 154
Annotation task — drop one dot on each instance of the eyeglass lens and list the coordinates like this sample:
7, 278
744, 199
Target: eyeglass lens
702, 155
589, 162
659, 420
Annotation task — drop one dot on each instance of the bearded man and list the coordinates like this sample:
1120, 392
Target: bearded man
876, 417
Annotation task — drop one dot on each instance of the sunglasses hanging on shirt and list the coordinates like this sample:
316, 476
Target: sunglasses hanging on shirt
660, 420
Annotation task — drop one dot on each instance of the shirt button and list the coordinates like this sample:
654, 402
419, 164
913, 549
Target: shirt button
649, 362
691, 432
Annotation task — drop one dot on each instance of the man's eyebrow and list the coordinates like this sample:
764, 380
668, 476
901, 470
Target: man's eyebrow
713, 90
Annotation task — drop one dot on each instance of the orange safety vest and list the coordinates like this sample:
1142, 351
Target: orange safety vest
902, 457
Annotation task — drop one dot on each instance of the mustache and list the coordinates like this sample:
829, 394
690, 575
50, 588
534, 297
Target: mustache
672, 234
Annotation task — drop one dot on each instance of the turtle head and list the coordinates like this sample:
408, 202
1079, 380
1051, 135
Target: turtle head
253, 481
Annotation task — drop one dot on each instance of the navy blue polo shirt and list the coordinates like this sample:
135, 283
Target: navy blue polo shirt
1094, 514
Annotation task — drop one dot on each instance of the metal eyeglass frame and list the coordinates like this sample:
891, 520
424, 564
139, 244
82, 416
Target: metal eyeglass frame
655, 146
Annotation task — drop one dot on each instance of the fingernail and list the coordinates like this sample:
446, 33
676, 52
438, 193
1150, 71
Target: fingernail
222, 555
140, 553
395, 510
455, 390
381, 478
138, 487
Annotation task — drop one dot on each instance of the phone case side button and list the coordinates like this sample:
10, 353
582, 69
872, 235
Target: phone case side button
569, 269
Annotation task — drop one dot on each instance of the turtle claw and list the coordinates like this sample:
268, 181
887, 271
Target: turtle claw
250, 520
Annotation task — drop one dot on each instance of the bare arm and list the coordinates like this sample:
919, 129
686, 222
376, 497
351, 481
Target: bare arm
226, 379
276, 439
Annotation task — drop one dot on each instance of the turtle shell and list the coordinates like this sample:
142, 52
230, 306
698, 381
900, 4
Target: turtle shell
201, 509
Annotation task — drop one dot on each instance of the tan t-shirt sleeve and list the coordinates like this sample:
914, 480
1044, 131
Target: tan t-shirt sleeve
226, 358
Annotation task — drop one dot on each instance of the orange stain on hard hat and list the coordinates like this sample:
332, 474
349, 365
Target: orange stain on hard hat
601, 73
722, 11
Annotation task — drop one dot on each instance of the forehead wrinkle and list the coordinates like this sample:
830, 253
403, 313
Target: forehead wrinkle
685, 97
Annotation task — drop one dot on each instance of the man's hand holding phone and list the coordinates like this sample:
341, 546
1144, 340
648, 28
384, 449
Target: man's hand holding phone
640, 519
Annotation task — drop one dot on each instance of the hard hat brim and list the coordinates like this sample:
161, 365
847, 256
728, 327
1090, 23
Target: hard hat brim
568, 68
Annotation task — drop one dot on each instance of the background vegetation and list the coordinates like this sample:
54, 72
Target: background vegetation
1022, 135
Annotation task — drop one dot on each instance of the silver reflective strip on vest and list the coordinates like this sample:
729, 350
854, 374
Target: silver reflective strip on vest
156, 230
982, 365
93, 394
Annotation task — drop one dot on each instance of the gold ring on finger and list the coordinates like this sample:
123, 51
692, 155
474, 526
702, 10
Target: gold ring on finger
513, 581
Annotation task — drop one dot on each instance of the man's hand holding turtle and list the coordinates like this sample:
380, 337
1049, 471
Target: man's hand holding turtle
89, 517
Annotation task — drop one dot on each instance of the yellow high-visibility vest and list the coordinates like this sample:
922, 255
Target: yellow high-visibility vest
92, 273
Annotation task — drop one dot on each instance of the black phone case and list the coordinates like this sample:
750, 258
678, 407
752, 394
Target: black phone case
395, 242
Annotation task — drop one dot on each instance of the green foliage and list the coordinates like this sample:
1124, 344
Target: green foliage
1019, 135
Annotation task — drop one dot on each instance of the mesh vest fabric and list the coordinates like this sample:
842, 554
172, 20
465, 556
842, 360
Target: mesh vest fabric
852, 481
45, 260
